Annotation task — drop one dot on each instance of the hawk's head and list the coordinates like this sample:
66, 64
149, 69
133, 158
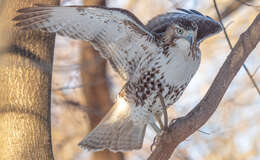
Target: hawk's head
206, 25
181, 31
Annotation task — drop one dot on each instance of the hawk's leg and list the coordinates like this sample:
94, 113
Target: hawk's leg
163, 127
157, 129
165, 115
159, 120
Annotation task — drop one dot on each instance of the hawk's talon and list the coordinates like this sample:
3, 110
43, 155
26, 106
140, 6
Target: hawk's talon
156, 139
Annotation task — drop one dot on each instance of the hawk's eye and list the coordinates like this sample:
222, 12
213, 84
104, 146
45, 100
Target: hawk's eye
179, 30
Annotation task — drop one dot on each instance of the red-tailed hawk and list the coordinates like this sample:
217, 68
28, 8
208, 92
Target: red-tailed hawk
157, 59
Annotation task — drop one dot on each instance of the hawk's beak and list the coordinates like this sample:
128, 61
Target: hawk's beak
190, 38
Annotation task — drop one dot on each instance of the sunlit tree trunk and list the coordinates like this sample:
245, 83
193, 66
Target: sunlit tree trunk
25, 85
93, 72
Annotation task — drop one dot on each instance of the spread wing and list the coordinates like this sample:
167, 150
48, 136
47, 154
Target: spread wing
116, 33
206, 25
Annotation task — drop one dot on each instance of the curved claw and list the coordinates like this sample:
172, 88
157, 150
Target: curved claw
156, 139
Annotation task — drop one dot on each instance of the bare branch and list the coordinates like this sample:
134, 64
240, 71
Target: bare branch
187, 125
256, 70
230, 46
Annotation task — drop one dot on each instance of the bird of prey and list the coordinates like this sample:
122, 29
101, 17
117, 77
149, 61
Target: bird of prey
157, 59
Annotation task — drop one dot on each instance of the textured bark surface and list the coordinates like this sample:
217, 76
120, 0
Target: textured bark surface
187, 125
25, 85
93, 69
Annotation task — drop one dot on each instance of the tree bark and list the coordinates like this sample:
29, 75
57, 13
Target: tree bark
25, 87
187, 125
93, 69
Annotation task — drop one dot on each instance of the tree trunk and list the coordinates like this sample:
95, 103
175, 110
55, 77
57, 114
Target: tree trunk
93, 71
25, 87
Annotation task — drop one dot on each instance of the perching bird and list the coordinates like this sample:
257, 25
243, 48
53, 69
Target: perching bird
157, 59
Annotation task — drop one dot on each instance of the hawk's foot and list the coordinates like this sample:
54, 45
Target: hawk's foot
157, 138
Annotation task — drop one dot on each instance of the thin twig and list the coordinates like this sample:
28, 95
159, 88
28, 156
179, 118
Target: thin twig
230, 46
256, 70
203, 132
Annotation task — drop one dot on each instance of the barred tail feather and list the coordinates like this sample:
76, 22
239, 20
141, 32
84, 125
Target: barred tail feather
116, 132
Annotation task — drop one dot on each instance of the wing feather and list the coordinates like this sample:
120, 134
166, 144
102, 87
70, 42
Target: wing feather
116, 33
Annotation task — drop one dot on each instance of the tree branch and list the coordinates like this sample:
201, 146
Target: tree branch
187, 125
